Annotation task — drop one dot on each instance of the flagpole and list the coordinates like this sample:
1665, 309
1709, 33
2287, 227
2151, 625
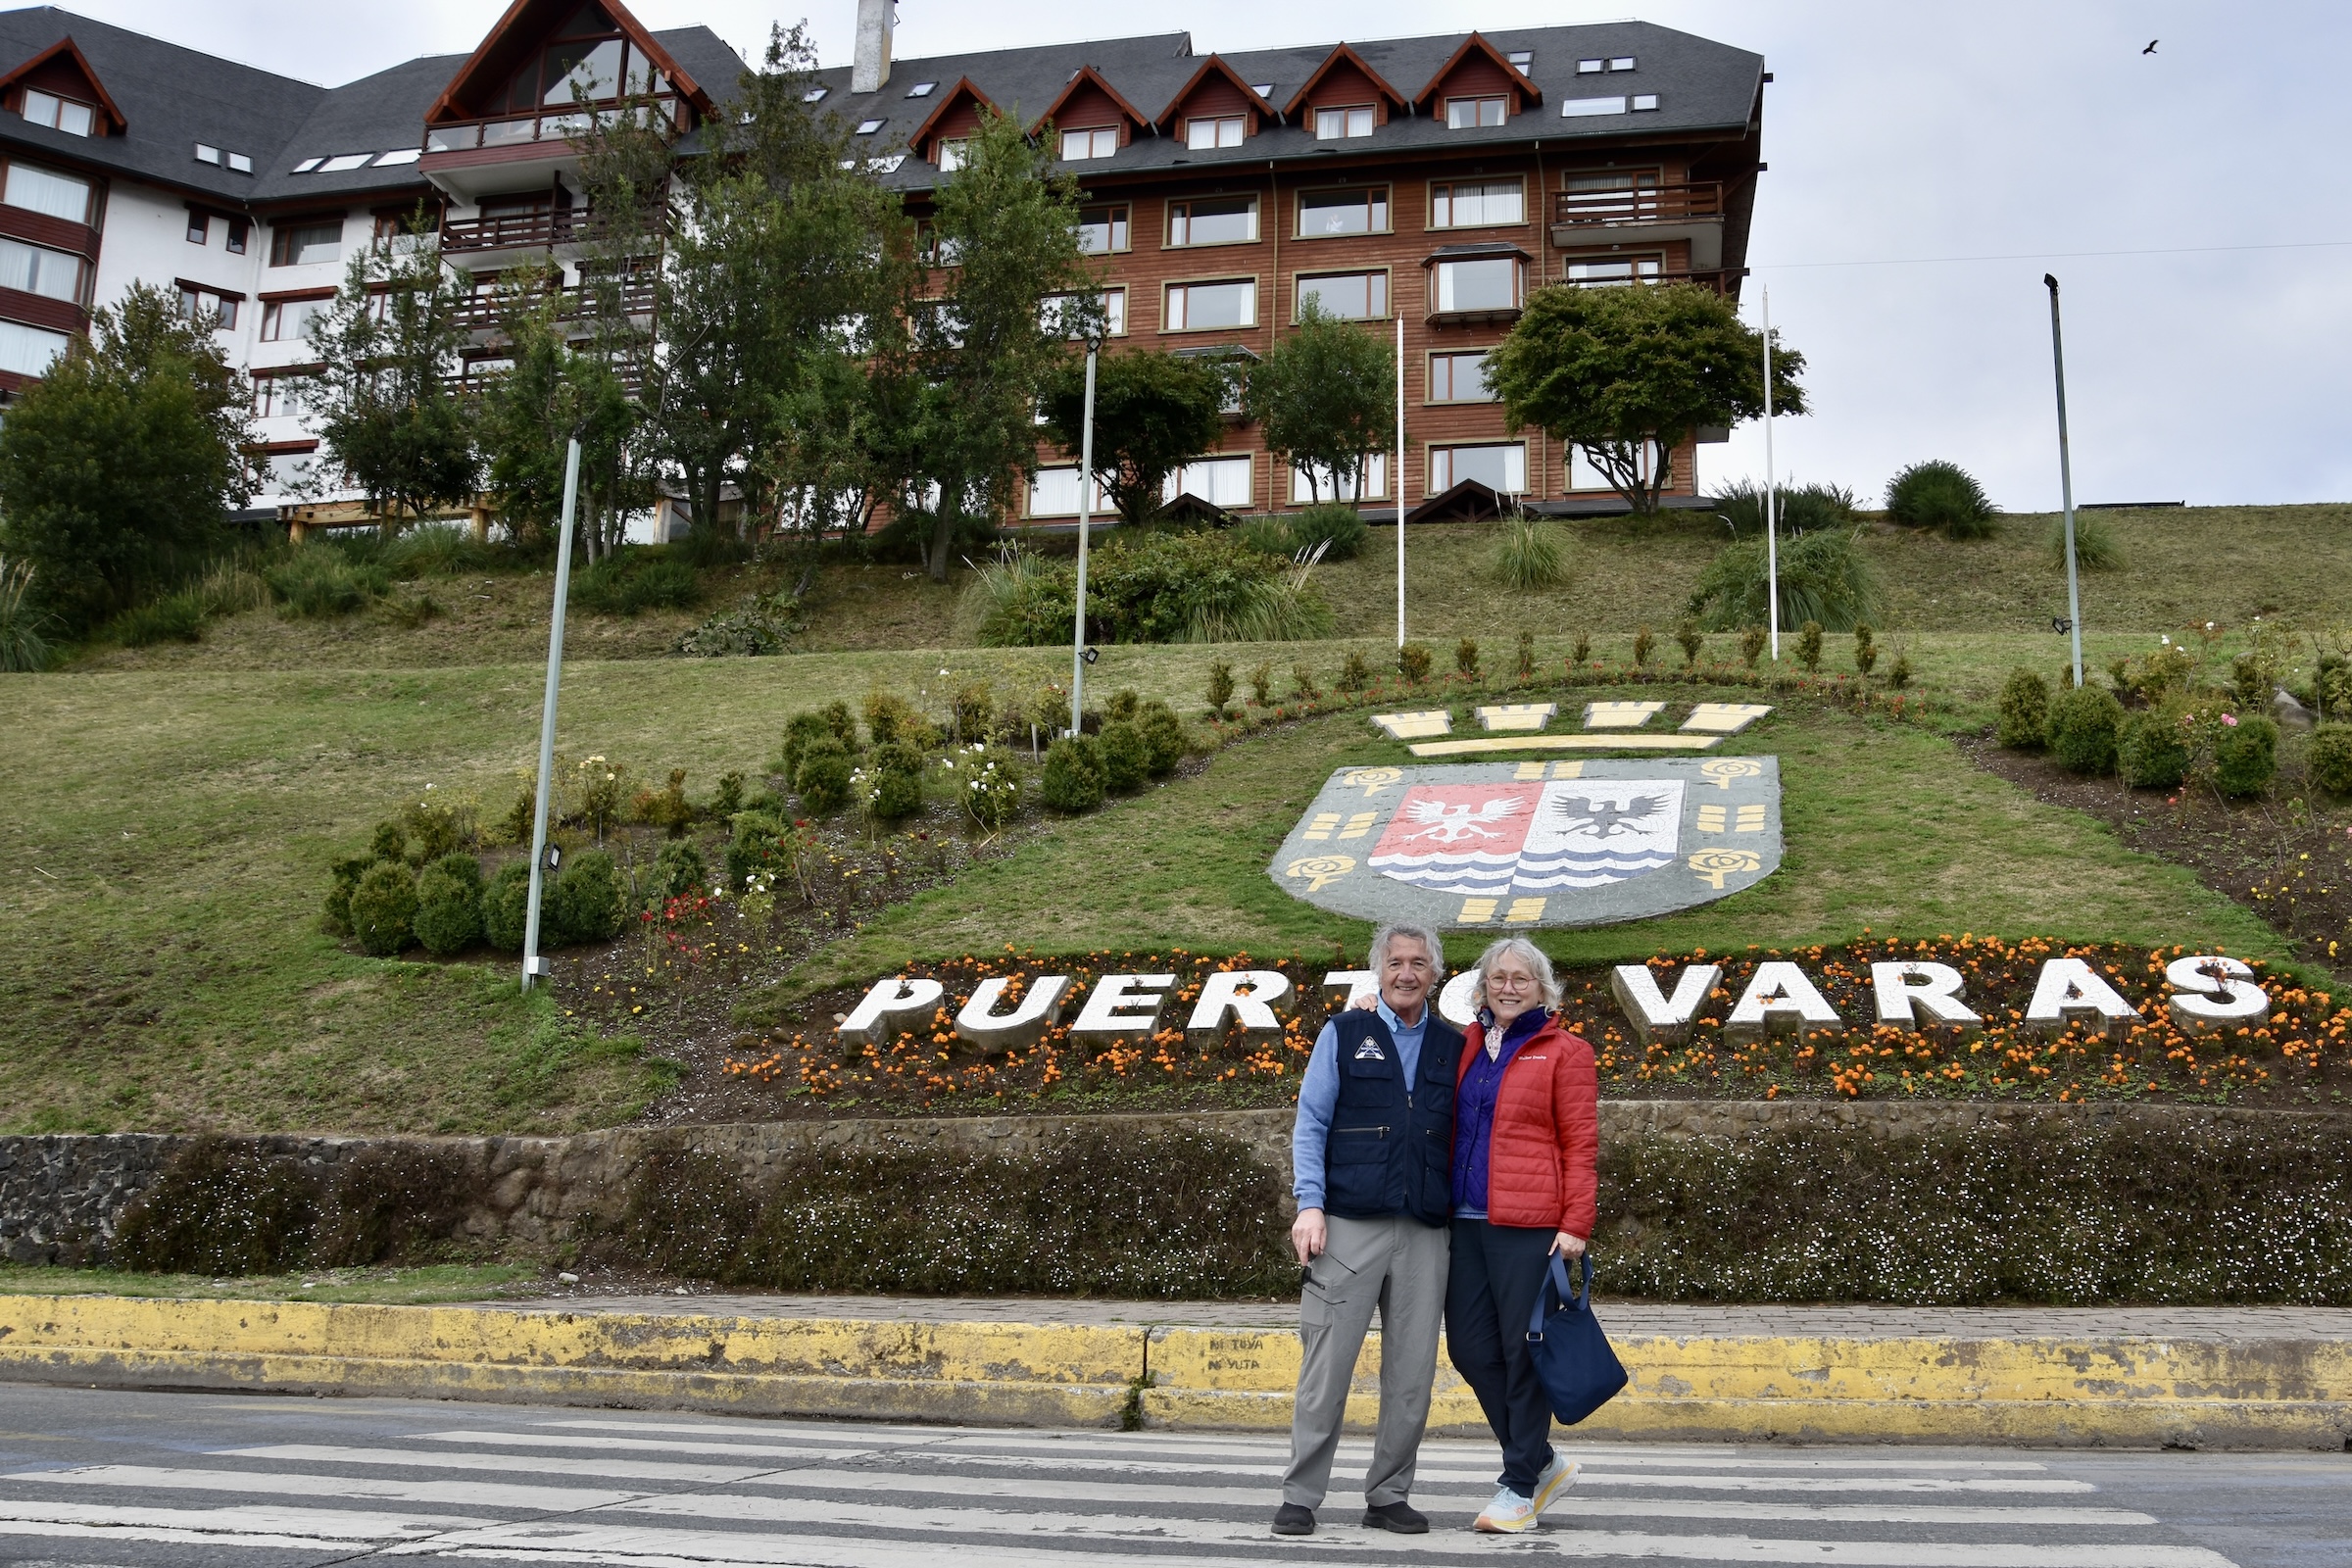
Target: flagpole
1772, 534
533, 965
2066, 486
1400, 480
1086, 496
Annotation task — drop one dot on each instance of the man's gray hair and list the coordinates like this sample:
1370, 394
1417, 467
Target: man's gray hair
1418, 933
1526, 952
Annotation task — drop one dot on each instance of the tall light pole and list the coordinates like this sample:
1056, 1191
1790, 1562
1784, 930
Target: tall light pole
1772, 534
1399, 477
2066, 486
1086, 497
534, 965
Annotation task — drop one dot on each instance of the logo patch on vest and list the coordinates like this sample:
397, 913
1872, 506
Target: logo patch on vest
1369, 1051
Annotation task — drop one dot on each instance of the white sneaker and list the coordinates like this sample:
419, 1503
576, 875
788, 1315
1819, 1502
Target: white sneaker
1507, 1515
1558, 1477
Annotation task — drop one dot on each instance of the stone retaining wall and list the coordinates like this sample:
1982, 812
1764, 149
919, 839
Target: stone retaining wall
60, 1195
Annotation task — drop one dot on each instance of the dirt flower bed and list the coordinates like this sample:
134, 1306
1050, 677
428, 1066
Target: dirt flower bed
2299, 1053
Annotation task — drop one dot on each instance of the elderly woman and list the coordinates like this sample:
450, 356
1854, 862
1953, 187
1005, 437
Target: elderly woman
1525, 1142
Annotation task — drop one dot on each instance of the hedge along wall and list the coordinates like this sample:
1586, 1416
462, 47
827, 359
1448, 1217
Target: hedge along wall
1730, 1201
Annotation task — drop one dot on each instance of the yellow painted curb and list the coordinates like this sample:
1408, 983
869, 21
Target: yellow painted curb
2256, 1394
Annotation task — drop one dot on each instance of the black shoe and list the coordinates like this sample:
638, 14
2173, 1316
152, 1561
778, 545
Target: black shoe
1402, 1517
1292, 1520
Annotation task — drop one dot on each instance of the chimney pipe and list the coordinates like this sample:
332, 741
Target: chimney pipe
870, 67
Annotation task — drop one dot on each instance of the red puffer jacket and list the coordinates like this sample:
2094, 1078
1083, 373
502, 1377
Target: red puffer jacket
1545, 1143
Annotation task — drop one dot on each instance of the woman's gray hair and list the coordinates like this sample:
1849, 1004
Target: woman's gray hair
1526, 952
1422, 934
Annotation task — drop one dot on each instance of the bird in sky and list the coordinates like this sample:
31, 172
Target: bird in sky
2151, 48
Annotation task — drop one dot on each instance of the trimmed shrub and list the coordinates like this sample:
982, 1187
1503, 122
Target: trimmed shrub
2024, 723
2329, 757
970, 710
383, 910
756, 845
449, 910
2151, 752
2084, 724
507, 907
894, 782
1531, 553
678, 870
1413, 661
2245, 756
222, 1207
1808, 645
1163, 733
1335, 521
1219, 690
801, 731
1941, 495
346, 874
1355, 672
1751, 644
822, 779
587, 903
891, 718
1866, 650
1126, 758
1073, 776
842, 722
1690, 640
389, 840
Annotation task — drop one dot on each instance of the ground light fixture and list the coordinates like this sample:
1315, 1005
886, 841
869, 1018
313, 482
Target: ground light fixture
1082, 656
2065, 485
542, 857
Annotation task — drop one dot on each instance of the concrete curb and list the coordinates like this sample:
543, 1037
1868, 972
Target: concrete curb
2119, 1390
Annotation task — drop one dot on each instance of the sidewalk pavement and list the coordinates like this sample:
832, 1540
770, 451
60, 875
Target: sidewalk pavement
2236, 1377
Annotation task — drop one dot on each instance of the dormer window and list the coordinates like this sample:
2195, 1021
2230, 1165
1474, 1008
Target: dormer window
952, 154
1470, 114
1098, 142
59, 113
1337, 125
1221, 130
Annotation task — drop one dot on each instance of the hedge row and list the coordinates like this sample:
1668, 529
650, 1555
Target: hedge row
2050, 1209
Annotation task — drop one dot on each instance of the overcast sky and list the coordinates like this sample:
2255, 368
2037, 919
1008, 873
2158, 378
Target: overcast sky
2212, 366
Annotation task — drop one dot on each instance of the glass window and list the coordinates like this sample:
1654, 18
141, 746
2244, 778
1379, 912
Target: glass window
1353, 296
1100, 142
27, 350
1499, 465
276, 397
200, 228
301, 244
1225, 130
207, 154
196, 304
1584, 475
921, 89
1051, 309
1574, 108
815, 95
1054, 493
53, 274
285, 473
1469, 206
1459, 379
593, 68
1522, 59
1102, 230
867, 128
1614, 269
1213, 220
951, 153
1195, 306
934, 249
1489, 283
1344, 212
1308, 487
1337, 125
1644, 101
1220, 481
1466, 114
1621, 61
1591, 68
38, 190
59, 113
238, 230
285, 321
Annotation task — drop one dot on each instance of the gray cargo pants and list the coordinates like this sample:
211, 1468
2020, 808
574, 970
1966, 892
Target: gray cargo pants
1398, 1265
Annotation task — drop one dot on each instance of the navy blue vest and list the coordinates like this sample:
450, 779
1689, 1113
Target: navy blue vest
1391, 1149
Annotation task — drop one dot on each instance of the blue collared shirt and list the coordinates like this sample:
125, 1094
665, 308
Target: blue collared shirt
1319, 1094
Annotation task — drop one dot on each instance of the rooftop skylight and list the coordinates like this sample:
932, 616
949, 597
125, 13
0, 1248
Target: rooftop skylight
867, 128
1575, 107
399, 155
814, 95
344, 161
306, 165
1521, 59
921, 89
207, 155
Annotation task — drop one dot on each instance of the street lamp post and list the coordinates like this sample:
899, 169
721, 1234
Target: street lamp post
2066, 486
533, 965
1400, 480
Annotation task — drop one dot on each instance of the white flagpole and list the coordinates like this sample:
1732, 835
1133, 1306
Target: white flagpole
2065, 485
1398, 478
534, 965
1772, 534
1086, 496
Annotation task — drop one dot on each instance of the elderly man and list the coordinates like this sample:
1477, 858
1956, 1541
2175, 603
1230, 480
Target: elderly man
1372, 1167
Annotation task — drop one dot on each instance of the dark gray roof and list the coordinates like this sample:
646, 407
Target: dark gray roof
174, 98
1703, 87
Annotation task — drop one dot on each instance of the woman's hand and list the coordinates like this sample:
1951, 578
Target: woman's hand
1568, 1245
1365, 1002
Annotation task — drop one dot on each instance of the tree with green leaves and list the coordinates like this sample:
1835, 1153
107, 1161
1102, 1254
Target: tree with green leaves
991, 342
388, 410
1325, 397
118, 465
1605, 369
1152, 413
528, 414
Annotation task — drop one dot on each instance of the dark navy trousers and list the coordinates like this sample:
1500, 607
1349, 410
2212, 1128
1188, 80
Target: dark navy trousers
1491, 1289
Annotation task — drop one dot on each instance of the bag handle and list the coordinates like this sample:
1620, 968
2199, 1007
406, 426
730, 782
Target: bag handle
1557, 1281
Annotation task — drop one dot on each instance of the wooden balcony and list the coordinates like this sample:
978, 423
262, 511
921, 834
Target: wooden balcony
1692, 211
509, 232
1724, 281
635, 298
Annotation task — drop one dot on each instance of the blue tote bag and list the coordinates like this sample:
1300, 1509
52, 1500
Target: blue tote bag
1578, 1371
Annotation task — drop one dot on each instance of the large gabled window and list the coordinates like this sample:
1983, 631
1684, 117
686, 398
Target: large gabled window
1098, 142
59, 113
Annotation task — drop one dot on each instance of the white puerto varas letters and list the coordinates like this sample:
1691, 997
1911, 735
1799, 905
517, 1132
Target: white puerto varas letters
1251, 998
2070, 988
889, 1008
1906, 990
2212, 992
1654, 1015
1344, 988
1039, 1010
1453, 1002
1780, 997
1121, 1007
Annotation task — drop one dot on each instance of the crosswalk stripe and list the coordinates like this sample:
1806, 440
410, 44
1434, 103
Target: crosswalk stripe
465, 1493
529, 1463
1439, 1453
259, 1519
554, 1439
862, 1437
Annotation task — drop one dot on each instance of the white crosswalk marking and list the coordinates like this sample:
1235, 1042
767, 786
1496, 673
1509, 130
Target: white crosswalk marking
614, 1493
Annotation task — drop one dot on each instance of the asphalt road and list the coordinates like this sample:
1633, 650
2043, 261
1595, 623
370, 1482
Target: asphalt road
207, 1480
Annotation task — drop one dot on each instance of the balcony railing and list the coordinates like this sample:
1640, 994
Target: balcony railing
552, 125
1722, 280
634, 297
1633, 204
507, 231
